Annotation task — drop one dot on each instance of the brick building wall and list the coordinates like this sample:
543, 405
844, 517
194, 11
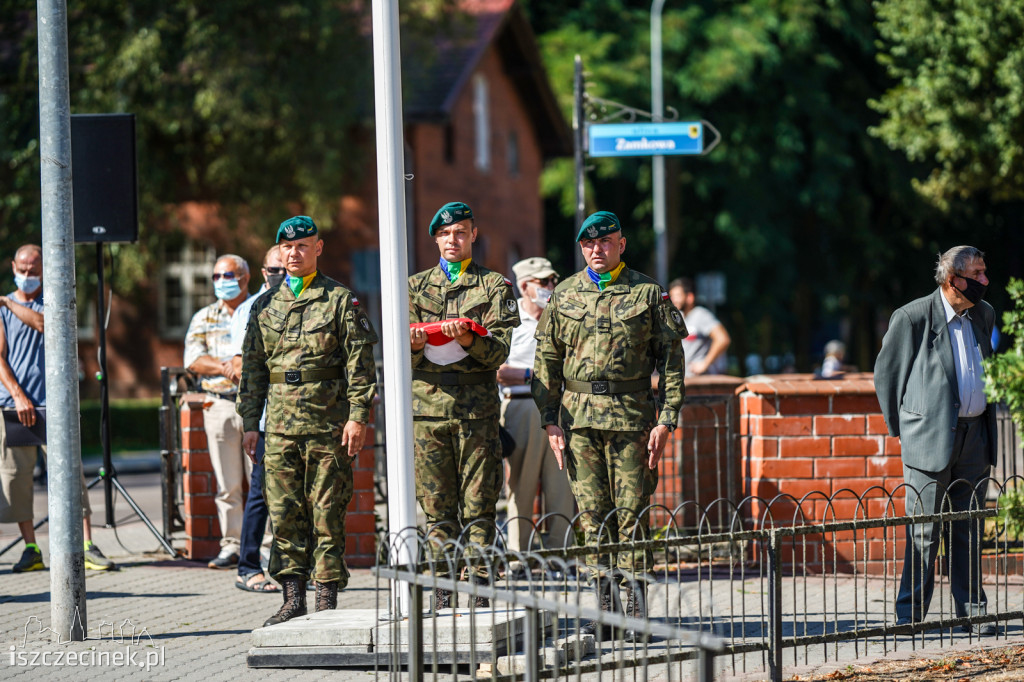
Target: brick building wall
506, 204
202, 529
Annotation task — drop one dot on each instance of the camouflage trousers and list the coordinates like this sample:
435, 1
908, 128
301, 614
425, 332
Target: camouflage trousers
308, 482
458, 480
613, 485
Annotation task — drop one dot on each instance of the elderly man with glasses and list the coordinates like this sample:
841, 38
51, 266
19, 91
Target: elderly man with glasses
209, 353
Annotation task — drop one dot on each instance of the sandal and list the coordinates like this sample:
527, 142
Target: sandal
264, 585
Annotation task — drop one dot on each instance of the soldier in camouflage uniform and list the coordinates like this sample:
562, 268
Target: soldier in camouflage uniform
604, 332
456, 406
308, 353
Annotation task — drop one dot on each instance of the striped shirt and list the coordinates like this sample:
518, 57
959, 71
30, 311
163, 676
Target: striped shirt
209, 333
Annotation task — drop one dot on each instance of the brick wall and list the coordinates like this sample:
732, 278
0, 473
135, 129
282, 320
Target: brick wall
699, 464
818, 451
202, 529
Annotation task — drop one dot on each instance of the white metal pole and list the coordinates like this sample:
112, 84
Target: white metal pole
658, 162
64, 488
394, 271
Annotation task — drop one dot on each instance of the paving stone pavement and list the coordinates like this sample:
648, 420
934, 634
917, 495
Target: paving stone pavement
190, 622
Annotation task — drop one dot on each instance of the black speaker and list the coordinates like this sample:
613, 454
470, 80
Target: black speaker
106, 203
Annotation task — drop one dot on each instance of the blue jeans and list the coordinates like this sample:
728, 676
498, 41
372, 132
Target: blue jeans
254, 520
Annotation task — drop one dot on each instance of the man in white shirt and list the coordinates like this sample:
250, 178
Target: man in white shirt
532, 459
254, 520
208, 354
704, 348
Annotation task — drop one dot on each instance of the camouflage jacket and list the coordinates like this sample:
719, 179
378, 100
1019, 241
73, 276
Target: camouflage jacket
620, 334
483, 296
324, 328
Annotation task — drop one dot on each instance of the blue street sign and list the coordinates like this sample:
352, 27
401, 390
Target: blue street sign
646, 139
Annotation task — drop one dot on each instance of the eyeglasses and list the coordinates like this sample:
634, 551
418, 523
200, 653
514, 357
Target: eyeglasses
229, 275
547, 281
274, 271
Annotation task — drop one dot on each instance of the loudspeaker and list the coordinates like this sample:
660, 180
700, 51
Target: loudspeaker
103, 178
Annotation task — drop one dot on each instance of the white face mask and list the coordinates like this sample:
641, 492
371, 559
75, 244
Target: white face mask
27, 283
542, 297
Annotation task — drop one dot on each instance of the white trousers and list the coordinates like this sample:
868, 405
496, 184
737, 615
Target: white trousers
530, 462
231, 467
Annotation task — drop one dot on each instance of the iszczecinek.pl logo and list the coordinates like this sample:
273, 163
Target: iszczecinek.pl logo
116, 645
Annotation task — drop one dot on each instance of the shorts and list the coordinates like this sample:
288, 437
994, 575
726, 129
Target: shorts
16, 486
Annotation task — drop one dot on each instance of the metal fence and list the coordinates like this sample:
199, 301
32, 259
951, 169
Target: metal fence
765, 593
174, 383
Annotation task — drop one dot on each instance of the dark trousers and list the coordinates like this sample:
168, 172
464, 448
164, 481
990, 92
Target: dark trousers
254, 521
959, 487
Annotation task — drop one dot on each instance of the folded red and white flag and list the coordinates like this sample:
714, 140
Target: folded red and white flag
444, 350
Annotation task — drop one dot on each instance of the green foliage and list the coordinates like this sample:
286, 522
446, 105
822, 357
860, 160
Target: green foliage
1011, 512
1004, 372
256, 107
814, 222
957, 103
134, 425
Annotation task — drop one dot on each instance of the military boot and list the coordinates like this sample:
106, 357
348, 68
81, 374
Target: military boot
294, 601
606, 601
479, 601
636, 607
326, 596
442, 599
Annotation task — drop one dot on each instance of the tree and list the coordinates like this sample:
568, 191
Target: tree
256, 108
1004, 372
957, 104
814, 222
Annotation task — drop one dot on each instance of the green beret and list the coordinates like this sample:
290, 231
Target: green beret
452, 212
598, 225
298, 227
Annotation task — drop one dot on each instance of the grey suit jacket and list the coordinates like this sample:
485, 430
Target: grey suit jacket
915, 380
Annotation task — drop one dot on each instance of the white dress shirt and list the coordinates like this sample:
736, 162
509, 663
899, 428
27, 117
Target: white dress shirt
970, 374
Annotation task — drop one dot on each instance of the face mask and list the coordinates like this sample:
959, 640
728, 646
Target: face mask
974, 292
227, 289
274, 281
542, 298
27, 285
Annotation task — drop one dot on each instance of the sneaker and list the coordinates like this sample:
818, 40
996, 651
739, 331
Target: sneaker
94, 559
31, 560
228, 558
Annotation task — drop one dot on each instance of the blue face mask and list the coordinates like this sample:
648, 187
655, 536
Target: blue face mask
227, 289
27, 285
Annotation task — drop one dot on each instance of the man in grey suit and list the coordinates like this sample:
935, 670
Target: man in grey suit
930, 384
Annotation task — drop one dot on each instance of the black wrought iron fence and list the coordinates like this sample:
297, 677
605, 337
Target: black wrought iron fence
763, 592
174, 382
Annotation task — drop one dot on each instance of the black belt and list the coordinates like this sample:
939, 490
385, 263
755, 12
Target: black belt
608, 387
517, 396
969, 420
455, 378
305, 376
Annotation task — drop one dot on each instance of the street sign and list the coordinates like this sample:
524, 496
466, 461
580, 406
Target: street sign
646, 139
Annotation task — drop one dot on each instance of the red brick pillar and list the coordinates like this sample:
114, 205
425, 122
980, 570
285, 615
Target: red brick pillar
823, 442
699, 455
202, 529
361, 521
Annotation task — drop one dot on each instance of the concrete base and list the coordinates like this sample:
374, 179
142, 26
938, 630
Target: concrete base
356, 638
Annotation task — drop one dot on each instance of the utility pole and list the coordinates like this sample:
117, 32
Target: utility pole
658, 162
578, 124
394, 271
64, 488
